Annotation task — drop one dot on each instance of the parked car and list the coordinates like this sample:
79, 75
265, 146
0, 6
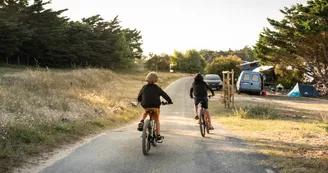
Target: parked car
214, 81
250, 82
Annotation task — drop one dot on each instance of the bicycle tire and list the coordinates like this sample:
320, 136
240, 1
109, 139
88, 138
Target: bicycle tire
155, 136
201, 123
145, 136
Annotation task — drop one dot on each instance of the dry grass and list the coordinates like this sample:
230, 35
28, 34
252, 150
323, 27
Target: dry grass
41, 109
296, 142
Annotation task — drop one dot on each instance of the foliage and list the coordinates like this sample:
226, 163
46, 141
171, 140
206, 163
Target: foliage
244, 54
299, 40
158, 62
221, 64
31, 32
288, 78
190, 62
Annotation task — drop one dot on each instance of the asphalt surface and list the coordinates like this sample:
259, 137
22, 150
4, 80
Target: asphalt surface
183, 149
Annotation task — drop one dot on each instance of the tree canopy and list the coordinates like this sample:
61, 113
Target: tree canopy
299, 40
32, 32
221, 64
245, 54
191, 62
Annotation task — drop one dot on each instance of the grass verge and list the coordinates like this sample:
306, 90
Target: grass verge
42, 109
295, 140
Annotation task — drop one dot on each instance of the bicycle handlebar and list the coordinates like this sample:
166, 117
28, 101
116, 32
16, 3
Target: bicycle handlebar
166, 103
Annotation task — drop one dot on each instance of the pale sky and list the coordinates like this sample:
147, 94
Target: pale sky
168, 25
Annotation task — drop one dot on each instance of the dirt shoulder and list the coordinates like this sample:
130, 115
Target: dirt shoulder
296, 139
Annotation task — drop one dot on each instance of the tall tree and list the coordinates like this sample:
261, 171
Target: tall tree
299, 40
32, 31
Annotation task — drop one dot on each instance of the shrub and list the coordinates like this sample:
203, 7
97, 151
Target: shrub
257, 112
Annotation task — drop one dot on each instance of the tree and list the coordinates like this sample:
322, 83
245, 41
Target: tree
158, 62
246, 54
122, 53
300, 40
221, 64
190, 62
32, 31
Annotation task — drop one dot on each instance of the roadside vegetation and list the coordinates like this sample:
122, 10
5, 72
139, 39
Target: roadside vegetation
42, 109
293, 135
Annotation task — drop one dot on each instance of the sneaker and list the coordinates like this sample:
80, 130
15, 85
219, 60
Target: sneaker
211, 128
160, 138
196, 117
140, 126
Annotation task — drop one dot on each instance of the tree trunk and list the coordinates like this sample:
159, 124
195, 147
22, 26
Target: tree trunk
18, 60
7, 60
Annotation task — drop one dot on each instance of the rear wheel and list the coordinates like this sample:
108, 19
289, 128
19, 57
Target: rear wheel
155, 136
201, 123
145, 138
207, 126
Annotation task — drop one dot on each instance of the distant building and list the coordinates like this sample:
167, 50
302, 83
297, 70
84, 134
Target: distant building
250, 66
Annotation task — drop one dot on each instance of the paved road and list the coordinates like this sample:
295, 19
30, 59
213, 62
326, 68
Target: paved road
183, 150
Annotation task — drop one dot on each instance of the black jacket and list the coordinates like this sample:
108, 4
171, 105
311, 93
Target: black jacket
199, 89
149, 96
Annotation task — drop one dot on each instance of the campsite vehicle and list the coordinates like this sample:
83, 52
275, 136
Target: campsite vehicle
301, 90
250, 82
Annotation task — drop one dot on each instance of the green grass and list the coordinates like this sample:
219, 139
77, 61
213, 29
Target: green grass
294, 143
42, 109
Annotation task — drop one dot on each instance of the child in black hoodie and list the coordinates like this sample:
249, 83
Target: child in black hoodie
149, 96
198, 91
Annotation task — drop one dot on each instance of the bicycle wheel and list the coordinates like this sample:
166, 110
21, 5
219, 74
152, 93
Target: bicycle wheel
154, 141
145, 138
201, 124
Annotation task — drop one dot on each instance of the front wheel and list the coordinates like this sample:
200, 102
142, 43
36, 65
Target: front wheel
145, 136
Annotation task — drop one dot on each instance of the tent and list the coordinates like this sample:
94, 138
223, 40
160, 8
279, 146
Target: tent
301, 90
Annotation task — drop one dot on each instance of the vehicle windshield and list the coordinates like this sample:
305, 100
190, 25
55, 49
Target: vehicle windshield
212, 77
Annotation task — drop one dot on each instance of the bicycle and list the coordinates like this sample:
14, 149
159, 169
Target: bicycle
149, 137
203, 123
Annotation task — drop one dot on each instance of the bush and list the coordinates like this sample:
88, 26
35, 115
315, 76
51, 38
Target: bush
190, 62
158, 62
257, 112
221, 64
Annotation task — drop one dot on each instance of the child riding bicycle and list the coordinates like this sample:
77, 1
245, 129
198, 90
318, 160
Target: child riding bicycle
149, 96
198, 91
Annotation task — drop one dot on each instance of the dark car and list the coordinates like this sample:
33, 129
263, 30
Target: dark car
214, 81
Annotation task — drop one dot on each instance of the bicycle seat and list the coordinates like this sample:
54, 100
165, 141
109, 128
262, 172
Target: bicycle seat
149, 111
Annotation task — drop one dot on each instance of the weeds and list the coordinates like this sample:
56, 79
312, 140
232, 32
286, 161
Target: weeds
324, 117
257, 112
241, 113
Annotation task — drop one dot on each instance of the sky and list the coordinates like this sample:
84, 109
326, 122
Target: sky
168, 25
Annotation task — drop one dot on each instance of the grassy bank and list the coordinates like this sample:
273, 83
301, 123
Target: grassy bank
42, 109
295, 138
